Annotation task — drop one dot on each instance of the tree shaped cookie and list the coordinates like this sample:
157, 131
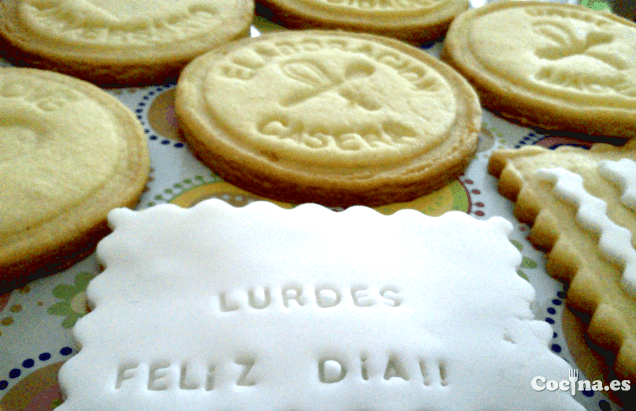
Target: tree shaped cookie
581, 204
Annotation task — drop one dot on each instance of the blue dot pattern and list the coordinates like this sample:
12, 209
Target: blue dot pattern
30, 363
141, 109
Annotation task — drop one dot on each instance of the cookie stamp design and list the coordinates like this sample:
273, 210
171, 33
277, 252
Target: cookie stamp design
338, 107
574, 50
574, 200
356, 113
563, 67
354, 88
592, 45
312, 74
371, 308
110, 43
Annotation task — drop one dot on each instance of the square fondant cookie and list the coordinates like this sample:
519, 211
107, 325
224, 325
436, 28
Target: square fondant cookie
259, 307
582, 207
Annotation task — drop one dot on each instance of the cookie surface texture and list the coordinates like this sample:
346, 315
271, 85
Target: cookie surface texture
118, 42
328, 117
414, 21
553, 66
69, 153
204, 308
582, 205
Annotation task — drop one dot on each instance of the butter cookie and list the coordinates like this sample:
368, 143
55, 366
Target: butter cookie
414, 21
549, 65
329, 117
119, 42
69, 153
582, 207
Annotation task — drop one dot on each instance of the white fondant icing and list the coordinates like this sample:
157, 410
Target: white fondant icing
260, 308
623, 174
615, 242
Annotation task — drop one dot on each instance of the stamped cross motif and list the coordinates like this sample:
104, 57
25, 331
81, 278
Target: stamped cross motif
320, 81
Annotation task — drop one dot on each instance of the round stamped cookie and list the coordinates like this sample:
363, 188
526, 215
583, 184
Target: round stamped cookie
328, 117
119, 42
552, 66
69, 153
414, 21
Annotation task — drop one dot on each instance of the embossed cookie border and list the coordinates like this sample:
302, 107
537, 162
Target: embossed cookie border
62, 241
522, 105
262, 173
562, 261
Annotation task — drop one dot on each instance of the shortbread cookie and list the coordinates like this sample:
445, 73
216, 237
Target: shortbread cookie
550, 65
69, 153
119, 42
328, 117
262, 308
415, 21
582, 205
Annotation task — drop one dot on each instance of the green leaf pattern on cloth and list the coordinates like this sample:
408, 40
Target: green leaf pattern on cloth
73, 304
